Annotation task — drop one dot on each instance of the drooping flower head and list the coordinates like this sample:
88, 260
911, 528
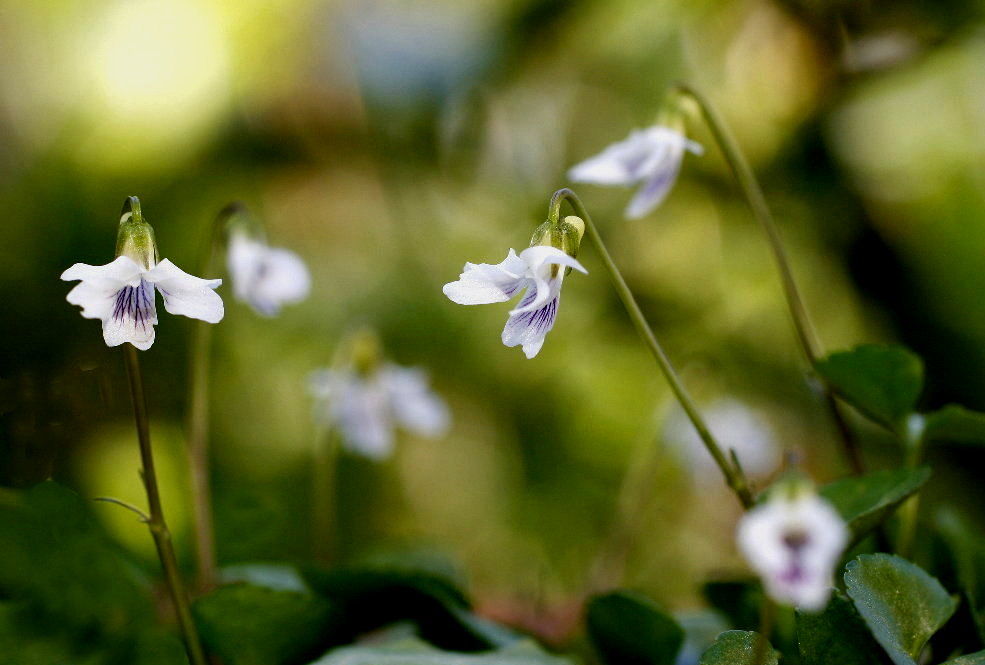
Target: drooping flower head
540, 269
264, 277
367, 398
794, 541
651, 157
122, 293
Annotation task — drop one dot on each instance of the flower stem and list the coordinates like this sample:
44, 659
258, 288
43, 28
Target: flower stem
323, 494
913, 444
199, 371
158, 527
733, 477
757, 203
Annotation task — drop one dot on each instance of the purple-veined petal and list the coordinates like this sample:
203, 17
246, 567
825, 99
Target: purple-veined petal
528, 328
541, 259
186, 294
655, 189
484, 283
132, 318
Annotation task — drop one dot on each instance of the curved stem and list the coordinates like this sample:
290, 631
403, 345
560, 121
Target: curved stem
806, 334
732, 475
323, 494
132, 205
155, 522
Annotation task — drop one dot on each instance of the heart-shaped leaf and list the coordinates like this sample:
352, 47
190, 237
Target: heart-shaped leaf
415, 652
836, 635
902, 605
628, 628
864, 502
955, 425
739, 647
251, 625
883, 382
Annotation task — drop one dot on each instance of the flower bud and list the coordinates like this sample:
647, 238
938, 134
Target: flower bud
565, 235
135, 238
365, 353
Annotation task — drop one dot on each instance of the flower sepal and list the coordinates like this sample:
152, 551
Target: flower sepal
135, 237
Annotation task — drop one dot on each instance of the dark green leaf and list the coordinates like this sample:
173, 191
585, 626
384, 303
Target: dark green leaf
630, 629
966, 550
866, 501
902, 605
883, 382
738, 600
368, 599
836, 635
739, 647
977, 658
415, 652
55, 556
250, 625
955, 425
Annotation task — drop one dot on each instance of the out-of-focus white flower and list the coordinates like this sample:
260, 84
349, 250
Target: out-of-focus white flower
650, 156
121, 294
793, 541
736, 426
265, 277
540, 270
367, 406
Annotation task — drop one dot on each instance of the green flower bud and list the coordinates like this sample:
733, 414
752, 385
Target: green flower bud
565, 235
135, 239
365, 352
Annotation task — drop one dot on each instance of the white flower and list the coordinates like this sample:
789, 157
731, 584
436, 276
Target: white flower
122, 295
793, 541
650, 156
540, 270
265, 277
366, 408
737, 427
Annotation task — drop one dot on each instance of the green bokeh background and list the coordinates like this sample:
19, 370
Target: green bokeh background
388, 143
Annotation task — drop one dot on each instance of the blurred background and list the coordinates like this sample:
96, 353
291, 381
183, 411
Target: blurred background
389, 142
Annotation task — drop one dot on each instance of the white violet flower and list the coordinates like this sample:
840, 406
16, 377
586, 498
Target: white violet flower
366, 407
794, 541
265, 277
540, 270
122, 293
650, 156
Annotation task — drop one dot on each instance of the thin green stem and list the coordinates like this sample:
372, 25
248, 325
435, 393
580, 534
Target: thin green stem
323, 494
158, 527
733, 477
767, 617
913, 443
806, 334
199, 372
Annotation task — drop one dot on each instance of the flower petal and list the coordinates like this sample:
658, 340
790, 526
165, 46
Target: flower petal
185, 294
484, 283
655, 189
266, 277
542, 260
528, 328
618, 164
413, 403
132, 318
122, 270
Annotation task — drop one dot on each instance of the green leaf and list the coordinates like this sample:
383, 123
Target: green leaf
954, 425
864, 502
369, 598
836, 635
738, 600
902, 605
966, 549
251, 625
738, 647
883, 382
630, 629
977, 658
55, 556
415, 652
